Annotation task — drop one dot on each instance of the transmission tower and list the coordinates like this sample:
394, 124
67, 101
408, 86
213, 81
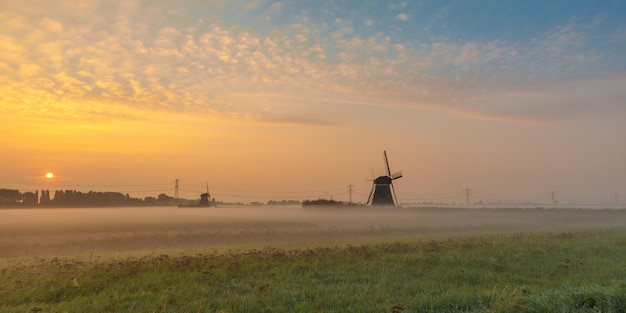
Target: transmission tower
553, 197
176, 191
350, 192
467, 192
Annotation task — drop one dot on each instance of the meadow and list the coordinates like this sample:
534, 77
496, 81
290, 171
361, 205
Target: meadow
510, 261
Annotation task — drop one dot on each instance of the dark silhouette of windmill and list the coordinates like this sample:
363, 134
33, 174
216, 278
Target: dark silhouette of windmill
205, 197
383, 193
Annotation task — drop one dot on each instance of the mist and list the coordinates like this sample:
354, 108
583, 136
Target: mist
144, 230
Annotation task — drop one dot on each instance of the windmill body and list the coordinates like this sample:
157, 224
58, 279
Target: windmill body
204, 199
383, 193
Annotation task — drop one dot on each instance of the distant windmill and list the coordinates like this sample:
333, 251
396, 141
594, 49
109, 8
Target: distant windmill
383, 193
204, 198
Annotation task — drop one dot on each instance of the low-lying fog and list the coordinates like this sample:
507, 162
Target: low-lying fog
59, 232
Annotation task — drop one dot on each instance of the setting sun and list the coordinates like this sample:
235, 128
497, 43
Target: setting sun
49, 175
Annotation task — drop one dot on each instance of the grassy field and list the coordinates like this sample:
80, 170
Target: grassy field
570, 271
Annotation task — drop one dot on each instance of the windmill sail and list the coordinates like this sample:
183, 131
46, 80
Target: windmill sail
396, 175
387, 164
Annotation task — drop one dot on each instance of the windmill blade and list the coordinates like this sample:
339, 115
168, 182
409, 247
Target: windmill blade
396, 175
395, 199
371, 196
387, 164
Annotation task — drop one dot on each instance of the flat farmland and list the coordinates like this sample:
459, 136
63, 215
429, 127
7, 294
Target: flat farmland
280, 259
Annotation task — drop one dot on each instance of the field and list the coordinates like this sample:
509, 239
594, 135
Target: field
295, 260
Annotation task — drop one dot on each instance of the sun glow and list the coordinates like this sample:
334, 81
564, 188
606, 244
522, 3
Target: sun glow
49, 175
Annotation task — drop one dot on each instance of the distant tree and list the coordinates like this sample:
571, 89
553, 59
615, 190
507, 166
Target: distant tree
325, 202
45, 198
30, 198
69, 197
59, 198
283, 202
9, 197
165, 199
115, 199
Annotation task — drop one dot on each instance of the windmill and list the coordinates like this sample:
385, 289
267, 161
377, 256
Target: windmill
383, 193
205, 197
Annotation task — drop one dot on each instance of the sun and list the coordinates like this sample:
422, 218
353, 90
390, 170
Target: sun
49, 175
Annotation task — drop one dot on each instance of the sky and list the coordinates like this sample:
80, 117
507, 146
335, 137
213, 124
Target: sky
515, 100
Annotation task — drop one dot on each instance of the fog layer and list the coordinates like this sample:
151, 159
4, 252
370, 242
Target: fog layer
59, 232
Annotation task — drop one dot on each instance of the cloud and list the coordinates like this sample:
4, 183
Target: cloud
558, 100
172, 64
51, 25
253, 4
403, 17
277, 6
12, 21
11, 51
294, 121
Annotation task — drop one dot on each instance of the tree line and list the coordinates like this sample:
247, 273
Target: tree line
73, 198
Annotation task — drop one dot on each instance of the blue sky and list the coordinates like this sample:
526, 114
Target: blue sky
422, 79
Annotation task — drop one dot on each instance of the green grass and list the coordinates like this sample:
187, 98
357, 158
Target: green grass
580, 271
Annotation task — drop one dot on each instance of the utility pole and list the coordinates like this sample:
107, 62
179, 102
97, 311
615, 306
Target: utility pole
467, 192
176, 191
616, 197
553, 197
350, 192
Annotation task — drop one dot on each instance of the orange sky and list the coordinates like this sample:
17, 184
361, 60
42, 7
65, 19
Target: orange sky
128, 98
